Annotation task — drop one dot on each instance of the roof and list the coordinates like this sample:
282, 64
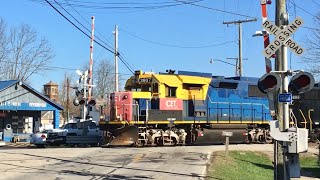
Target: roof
190, 73
170, 80
6, 84
51, 84
194, 79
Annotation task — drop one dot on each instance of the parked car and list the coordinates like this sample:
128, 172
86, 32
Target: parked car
40, 138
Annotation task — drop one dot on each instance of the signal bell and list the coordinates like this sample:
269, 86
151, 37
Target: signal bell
269, 83
301, 82
76, 102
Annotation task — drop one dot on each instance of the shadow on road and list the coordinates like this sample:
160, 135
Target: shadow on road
100, 165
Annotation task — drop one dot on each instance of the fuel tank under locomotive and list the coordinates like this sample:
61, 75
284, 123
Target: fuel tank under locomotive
212, 134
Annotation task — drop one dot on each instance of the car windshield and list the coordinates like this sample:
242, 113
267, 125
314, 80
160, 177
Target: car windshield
70, 126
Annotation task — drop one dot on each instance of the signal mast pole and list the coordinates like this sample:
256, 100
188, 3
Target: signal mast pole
116, 58
91, 61
239, 22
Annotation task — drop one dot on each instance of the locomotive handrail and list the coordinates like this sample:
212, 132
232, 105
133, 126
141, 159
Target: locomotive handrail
292, 117
310, 120
304, 118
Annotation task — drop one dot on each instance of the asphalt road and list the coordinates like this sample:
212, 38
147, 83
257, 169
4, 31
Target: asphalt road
183, 162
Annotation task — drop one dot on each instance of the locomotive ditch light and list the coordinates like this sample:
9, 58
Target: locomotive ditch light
301, 82
269, 83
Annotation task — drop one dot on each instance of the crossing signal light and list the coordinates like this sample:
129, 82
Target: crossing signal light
82, 101
301, 82
92, 102
269, 83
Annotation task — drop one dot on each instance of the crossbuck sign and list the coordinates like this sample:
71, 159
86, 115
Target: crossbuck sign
282, 37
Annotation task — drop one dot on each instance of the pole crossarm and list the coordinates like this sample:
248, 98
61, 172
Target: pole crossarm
239, 22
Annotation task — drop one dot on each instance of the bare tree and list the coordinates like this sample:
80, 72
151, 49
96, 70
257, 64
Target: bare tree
25, 53
312, 56
103, 78
67, 95
3, 43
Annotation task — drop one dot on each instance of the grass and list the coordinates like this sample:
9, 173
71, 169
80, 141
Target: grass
239, 165
249, 165
310, 164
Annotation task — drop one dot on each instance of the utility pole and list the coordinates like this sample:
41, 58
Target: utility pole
283, 108
237, 72
116, 58
239, 22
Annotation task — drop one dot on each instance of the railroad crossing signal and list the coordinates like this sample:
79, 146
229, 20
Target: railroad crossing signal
299, 84
282, 37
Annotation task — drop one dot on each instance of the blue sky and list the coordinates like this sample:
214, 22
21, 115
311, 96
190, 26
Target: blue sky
181, 26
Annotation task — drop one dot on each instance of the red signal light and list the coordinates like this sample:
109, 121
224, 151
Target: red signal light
269, 83
301, 82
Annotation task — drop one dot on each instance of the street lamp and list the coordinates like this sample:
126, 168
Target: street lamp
235, 65
260, 33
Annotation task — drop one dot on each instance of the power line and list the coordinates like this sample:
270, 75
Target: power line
123, 61
85, 21
316, 2
304, 10
124, 6
214, 9
78, 27
126, 63
49, 67
121, 3
176, 46
72, 16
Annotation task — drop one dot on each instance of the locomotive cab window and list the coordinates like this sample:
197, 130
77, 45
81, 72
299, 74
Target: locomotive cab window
155, 88
145, 88
171, 91
228, 85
